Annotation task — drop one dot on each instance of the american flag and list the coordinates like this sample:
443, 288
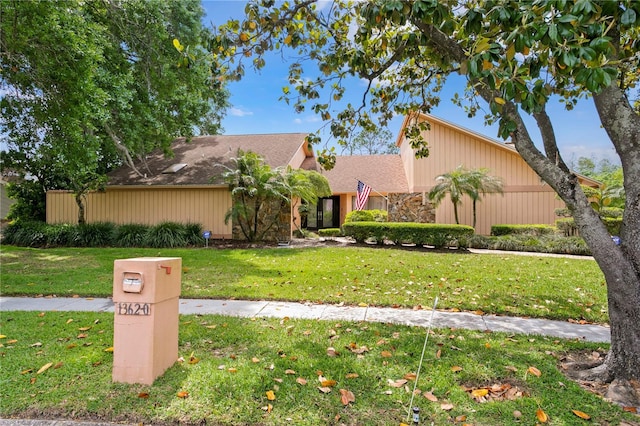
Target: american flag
363, 191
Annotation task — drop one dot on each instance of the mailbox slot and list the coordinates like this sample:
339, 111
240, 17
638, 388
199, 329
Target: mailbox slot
132, 282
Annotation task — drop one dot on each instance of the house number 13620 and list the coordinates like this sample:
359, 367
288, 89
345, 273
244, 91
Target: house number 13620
125, 308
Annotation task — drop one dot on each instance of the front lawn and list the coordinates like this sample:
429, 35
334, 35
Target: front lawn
546, 287
284, 371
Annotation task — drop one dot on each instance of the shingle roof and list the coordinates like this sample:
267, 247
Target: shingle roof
203, 153
383, 173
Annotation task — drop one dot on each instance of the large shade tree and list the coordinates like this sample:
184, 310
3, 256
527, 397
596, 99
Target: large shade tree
87, 86
515, 57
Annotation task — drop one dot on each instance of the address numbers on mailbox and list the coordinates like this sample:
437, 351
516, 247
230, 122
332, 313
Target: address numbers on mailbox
126, 308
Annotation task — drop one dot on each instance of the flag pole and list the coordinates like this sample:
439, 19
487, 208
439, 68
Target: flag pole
383, 196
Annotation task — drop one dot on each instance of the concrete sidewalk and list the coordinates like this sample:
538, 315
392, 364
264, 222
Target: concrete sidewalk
249, 309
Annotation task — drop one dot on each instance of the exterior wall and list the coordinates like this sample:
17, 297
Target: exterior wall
514, 207
147, 205
280, 231
527, 200
413, 207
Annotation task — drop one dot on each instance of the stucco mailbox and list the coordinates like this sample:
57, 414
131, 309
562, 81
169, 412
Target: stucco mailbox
146, 293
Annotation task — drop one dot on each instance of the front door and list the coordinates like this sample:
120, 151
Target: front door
325, 214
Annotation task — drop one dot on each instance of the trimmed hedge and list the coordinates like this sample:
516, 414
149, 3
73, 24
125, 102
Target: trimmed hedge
103, 234
367, 216
569, 229
330, 232
538, 244
497, 230
437, 235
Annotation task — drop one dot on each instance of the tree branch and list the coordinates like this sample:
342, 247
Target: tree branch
123, 149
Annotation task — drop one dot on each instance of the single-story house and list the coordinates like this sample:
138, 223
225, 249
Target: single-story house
188, 188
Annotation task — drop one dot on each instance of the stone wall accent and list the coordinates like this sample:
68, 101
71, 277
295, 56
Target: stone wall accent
280, 231
411, 207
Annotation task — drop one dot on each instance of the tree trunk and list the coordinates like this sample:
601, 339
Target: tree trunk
623, 294
80, 203
455, 213
474, 214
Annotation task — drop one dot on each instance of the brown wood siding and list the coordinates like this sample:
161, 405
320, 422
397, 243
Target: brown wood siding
450, 148
510, 208
526, 200
206, 206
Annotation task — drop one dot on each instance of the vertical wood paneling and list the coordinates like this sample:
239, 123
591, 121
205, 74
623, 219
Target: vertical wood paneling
206, 206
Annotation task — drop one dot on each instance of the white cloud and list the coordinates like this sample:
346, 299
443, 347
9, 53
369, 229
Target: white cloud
239, 112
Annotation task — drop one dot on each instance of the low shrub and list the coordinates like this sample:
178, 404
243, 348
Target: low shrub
99, 234
613, 224
498, 230
102, 234
437, 235
567, 227
61, 235
330, 232
367, 216
167, 234
25, 234
552, 243
563, 212
131, 235
611, 212
193, 234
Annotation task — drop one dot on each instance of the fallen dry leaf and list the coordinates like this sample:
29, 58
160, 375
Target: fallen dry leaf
58, 365
430, 396
301, 381
328, 383
271, 396
332, 352
346, 397
352, 376
542, 416
109, 349
534, 371
581, 414
268, 408
143, 395
84, 329
456, 368
44, 367
182, 394
410, 376
288, 371
324, 389
446, 406
397, 383
478, 393
386, 354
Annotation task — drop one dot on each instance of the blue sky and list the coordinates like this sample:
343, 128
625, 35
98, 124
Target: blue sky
256, 108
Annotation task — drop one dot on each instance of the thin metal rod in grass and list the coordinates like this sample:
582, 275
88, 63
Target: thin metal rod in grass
424, 347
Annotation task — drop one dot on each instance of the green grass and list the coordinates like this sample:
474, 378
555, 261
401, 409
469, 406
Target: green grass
544, 287
239, 360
